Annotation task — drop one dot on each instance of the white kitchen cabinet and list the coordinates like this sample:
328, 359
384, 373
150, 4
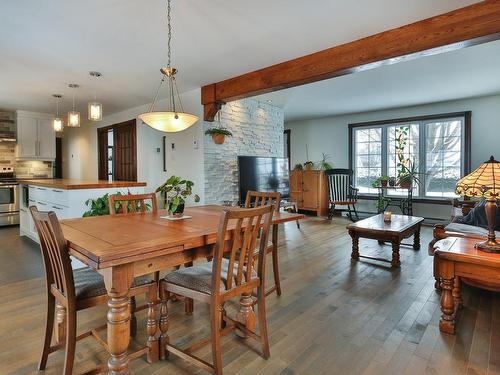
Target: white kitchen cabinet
36, 138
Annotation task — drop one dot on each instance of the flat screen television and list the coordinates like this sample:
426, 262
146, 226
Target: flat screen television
263, 174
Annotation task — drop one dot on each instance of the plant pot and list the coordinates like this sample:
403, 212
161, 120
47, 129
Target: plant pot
218, 138
308, 167
392, 182
405, 184
384, 183
179, 212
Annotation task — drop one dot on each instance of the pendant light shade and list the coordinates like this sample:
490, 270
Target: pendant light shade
95, 111
73, 116
95, 108
174, 119
57, 123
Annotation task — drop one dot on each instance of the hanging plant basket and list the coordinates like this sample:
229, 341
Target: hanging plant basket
218, 134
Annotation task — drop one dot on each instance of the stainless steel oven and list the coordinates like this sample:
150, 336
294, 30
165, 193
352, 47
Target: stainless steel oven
9, 197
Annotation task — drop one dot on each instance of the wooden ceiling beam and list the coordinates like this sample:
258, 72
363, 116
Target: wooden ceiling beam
474, 24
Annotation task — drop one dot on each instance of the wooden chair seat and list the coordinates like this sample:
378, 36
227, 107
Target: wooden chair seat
199, 277
89, 284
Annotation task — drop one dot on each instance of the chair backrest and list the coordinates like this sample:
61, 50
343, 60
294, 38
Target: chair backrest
56, 260
131, 203
339, 184
246, 223
258, 198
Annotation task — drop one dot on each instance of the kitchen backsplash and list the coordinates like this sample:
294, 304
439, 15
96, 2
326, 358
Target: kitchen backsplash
33, 168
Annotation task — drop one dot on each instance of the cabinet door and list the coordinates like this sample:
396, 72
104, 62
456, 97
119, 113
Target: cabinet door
46, 140
27, 137
296, 187
310, 190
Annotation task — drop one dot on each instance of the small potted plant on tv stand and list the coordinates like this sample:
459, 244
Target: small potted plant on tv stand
175, 192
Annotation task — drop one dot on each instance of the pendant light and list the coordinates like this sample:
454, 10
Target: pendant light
73, 116
174, 119
57, 123
95, 108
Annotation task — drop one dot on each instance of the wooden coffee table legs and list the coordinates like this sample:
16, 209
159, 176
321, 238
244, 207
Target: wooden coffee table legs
355, 246
451, 296
395, 254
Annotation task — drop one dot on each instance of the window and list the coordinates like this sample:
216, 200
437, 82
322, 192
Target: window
437, 146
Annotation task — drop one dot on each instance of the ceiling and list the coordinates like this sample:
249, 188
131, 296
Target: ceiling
470, 72
45, 45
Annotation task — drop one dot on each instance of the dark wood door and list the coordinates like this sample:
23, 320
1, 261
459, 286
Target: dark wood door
125, 152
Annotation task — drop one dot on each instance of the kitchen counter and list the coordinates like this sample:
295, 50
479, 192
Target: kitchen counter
76, 184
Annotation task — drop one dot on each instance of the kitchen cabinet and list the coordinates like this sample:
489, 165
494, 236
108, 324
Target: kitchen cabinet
36, 138
309, 190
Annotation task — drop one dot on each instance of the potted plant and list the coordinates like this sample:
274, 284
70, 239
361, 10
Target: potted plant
175, 191
218, 134
308, 165
382, 203
298, 167
409, 175
384, 180
324, 162
392, 181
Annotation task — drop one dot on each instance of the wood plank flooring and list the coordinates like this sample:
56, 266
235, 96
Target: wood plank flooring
335, 316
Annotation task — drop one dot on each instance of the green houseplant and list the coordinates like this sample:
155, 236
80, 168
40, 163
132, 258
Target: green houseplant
100, 206
384, 180
409, 175
218, 134
382, 203
175, 191
324, 163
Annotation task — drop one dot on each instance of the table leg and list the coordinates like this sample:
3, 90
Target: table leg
447, 324
152, 328
246, 315
457, 292
395, 254
355, 245
118, 280
416, 240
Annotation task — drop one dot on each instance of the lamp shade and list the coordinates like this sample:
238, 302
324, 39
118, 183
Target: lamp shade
170, 122
482, 182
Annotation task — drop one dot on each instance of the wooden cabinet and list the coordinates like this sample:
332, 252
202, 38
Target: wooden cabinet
36, 138
309, 190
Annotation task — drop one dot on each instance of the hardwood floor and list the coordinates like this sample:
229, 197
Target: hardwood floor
334, 317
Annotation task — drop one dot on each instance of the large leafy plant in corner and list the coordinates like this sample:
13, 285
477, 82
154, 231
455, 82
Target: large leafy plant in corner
175, 192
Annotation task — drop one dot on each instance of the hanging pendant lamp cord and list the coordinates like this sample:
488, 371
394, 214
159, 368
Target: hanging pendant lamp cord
169, 25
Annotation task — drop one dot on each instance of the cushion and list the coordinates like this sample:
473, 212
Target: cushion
89, 283
468, 229
199, 277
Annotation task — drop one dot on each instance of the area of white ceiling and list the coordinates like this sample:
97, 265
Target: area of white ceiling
466, 73
45, 45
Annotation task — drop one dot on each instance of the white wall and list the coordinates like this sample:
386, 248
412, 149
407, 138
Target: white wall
80, 148
331, 135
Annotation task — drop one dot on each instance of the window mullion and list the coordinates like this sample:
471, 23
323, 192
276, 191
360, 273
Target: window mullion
384, 155
422, 168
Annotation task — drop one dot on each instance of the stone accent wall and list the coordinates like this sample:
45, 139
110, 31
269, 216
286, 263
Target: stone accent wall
8, 153
257, 131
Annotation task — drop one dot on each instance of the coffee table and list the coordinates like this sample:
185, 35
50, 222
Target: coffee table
399, 228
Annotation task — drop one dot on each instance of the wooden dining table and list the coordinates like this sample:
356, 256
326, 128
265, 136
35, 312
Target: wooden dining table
121, 247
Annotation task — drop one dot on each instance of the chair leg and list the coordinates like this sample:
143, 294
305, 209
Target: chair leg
349, 213
133, 319
70, 341
331, 211
295, 211
188, 302
215, 316
164, 323
261, 305
276, 270
60, 323
49, 329
355, 212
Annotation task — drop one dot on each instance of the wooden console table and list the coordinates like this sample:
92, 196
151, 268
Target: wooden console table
399, 228
456, 258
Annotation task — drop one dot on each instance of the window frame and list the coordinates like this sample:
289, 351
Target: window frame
384, 124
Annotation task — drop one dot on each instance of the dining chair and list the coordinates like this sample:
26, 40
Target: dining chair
221, 279
342, 192
69, 291
256, 199
133, 203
